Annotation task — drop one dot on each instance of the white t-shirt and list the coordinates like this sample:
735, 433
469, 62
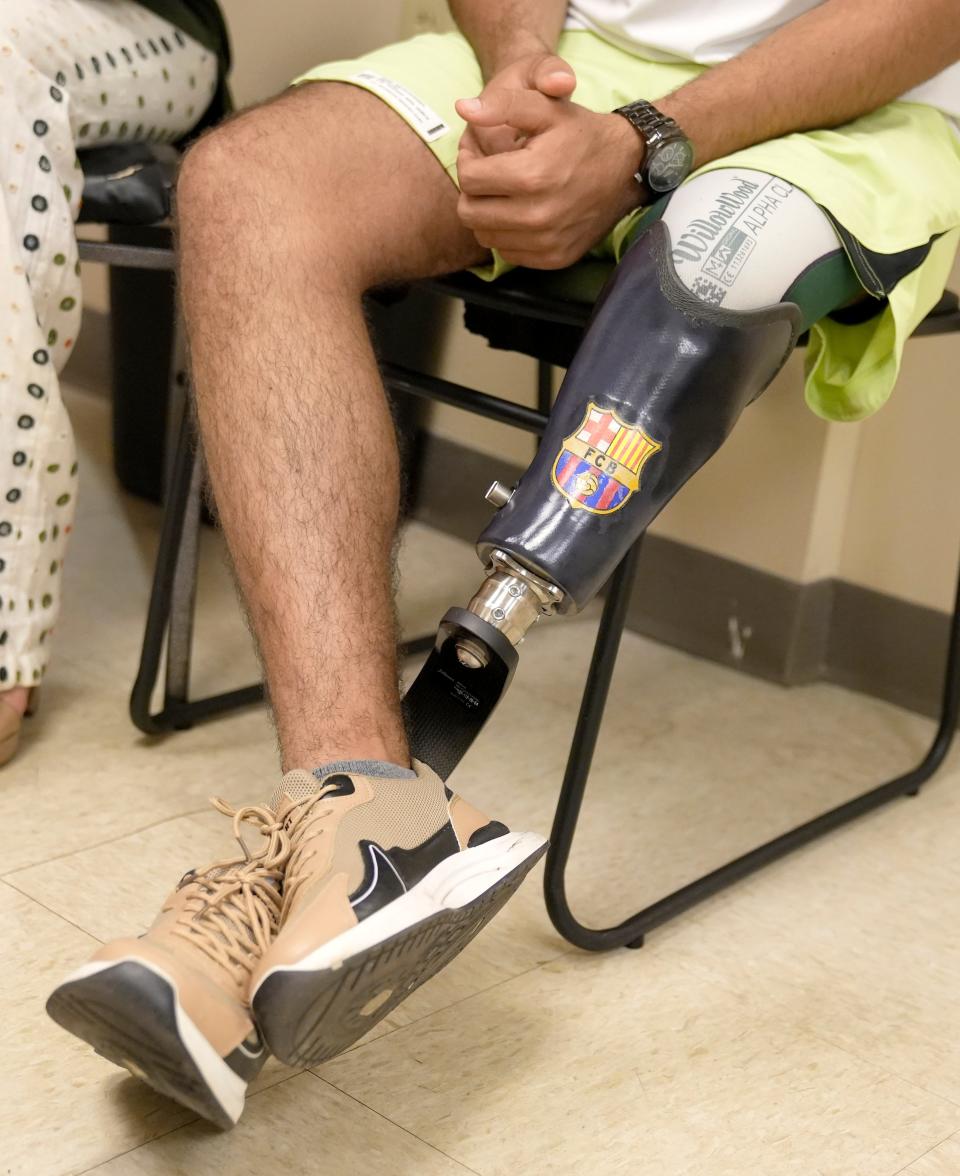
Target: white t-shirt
709, 31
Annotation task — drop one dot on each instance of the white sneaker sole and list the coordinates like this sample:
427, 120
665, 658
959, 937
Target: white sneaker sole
130, 1012
313, 1009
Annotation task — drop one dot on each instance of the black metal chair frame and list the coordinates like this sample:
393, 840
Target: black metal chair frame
171, 614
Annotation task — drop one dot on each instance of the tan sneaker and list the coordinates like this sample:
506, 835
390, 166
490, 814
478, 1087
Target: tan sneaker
172, 1006
387, 881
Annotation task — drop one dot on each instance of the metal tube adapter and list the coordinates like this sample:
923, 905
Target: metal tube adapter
511, 599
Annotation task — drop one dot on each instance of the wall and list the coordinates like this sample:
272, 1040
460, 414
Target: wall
274, 43
903, 519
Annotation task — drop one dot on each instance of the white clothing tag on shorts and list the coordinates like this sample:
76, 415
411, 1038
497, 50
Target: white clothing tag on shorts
426, 122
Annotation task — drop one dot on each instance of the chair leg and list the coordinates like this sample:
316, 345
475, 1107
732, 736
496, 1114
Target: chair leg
183, 590
184, 584
178, 393
949, 708
170, 613
592, 705
182, 479
630, 933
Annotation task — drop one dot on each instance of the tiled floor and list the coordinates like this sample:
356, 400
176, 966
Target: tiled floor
806, 1022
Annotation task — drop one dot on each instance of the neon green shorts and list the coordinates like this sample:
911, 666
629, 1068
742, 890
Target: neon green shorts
890, 179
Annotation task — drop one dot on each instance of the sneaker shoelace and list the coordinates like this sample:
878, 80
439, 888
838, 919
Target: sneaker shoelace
303, 821
233, 909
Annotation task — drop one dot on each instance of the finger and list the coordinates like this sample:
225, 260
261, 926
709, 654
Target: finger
525, 110
496, 213
513, 173
497, 140
545, 249
478, 143
554, 77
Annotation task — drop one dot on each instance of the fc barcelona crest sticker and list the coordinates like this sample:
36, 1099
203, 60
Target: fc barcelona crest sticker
599, 466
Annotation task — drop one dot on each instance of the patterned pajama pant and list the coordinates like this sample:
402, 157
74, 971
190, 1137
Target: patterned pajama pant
73, 74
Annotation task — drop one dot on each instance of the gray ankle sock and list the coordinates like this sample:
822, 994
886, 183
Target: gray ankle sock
365, 768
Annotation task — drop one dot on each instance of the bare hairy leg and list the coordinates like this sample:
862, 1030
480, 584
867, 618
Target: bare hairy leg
288, 214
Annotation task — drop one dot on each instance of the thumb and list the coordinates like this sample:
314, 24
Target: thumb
552, 76
525, 110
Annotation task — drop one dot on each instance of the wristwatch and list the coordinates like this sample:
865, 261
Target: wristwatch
668, 158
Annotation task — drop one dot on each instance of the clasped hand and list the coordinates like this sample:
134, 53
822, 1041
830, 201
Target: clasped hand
542, 179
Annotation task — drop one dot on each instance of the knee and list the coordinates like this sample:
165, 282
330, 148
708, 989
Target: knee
200, 169
266, 181
225, 174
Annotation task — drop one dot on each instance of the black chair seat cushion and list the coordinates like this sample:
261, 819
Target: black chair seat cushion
128, 184
540, 313
543, 313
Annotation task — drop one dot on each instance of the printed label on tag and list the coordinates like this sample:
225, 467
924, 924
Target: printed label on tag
426, 122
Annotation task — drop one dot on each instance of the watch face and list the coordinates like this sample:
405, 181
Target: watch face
670, 165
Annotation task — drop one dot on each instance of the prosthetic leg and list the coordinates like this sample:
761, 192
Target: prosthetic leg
657, 385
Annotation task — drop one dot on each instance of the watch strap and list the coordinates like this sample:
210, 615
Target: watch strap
653, 126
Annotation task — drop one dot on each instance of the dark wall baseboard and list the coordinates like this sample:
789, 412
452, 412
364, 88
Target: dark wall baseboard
734, 614
887, 647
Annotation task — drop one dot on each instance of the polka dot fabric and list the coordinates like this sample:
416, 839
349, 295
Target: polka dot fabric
73, 73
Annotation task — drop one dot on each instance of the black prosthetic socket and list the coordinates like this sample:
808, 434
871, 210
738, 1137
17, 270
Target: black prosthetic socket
656, 387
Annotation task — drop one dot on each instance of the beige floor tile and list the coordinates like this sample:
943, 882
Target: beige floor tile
85, 776
63, 1108
942, 1161
626, 1065
854, 939
117, 888
301, 1128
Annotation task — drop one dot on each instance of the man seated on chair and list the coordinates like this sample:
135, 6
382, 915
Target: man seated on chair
748, 155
